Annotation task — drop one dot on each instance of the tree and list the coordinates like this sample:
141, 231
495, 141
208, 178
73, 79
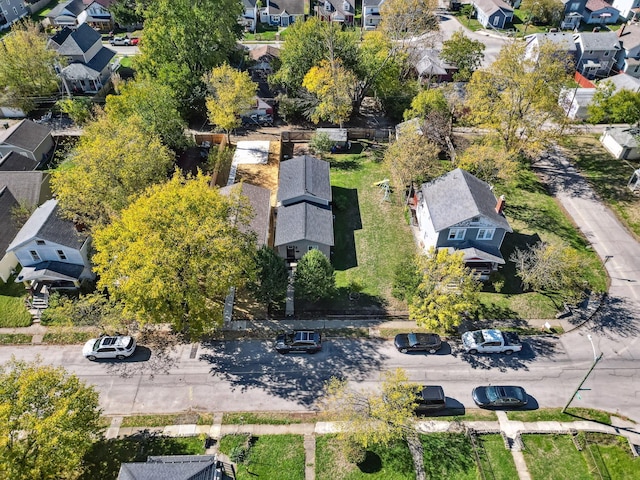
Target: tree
231, 93
516, 97
467, 10
432, 108
272, 277
112, 164
24, 79
608, 106
489, 163
173, 254
78, 109
406, 279
332, 85
464, 53
425, 102
314, 278
48, 421
403, 20
546, 12
447, 289
93, 309
320, 143
550, 268
183, 39
155, 103
129, 12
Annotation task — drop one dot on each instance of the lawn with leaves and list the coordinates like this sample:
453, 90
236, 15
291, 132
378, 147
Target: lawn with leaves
15, 338
496, 460
449, 455
611, 457
554, 457
556, 415
169, 419
13, 312
266, 418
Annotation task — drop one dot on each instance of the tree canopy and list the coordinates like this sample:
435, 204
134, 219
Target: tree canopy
545, 12
48, 421
272, 277
173, 254
609, 106
489, 163
403, 20
112, 164
332, 85
464, 53
412, 158
314, 278
24, 78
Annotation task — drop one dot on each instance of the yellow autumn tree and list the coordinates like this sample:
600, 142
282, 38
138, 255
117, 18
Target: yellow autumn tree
332, 86
489, 163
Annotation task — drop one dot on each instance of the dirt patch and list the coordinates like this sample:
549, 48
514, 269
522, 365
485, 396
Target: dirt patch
263, 175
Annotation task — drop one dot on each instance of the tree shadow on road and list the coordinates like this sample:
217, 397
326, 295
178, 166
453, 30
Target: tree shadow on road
296, 377
616, 318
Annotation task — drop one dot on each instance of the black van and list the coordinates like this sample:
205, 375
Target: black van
430, 399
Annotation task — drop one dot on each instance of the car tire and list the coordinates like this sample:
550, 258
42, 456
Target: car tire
433, 350
120, 357
92, 358
473, 351
508, 352
403, 350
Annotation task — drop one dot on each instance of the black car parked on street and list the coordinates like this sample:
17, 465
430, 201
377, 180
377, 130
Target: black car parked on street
306, 341
493, 396
418, 342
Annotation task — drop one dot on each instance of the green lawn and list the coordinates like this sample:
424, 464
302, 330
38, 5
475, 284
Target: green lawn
12, 309
61, 336
41, 15
556, 415
169, 419
265, 418
382, 463
496, 460
554, 457
450, 456
269, 456
15, 338
610, 455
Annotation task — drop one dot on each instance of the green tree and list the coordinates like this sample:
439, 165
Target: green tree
432, 108
320, 143
173, 254
157, 106
231, 93
25, 78
332, 85
546, 12
516, 97
314, 278
464, 53
608, 106
467, 10
48, 421
406, 279
426, 102
182, 40
550, 268
112, 164
272, 277
447, 289
78, 109
128, 12
489, 163
94, 309
403, 20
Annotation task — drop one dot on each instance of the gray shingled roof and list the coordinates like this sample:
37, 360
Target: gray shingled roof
304, 175
598, 41
630, 36
624, 136
177, 467
47, 224
260, 202
25, 134
8, 228
561, 40
14, 162
51, 270
491, 6
75, 7
371, 3
292, 7
79, 41
26, 187
458, 196
304, 221
623, 81
79, 70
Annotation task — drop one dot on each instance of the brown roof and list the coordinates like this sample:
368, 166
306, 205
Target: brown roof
264, 51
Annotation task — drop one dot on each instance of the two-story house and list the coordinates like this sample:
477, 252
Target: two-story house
597, 53
66, 13
249, 17
459, 211
629, 56
626, 7
573, 10
52, 252
304, 219
341, 11
96, 14
371, 14
283, 13
493, 13
89, 61
599, 12
562, 42
11, 11
28, 139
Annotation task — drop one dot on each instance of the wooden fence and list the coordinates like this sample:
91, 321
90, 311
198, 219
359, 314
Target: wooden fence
376, 134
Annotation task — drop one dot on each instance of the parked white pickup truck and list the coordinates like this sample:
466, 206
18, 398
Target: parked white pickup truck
491, 341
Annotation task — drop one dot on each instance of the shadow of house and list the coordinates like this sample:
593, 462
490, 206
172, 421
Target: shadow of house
347, 221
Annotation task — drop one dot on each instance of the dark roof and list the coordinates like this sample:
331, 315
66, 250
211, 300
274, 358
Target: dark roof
78, 41
260, 202
26, 187
101, 59
177, 467
292, 7
458, 196
304, 175
76, 7
62, 270
26, 134
14, 162
304, 221
61, 36
8, 228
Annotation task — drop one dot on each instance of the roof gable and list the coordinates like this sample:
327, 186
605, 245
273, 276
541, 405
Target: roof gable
304, 176
260, 201
14, 162
490, 7
304, 221
289, 7
599, 41
26, 134
26, 187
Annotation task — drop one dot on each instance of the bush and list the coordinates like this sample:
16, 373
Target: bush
354, 452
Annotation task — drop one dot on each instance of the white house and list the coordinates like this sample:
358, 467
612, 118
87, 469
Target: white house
621, 142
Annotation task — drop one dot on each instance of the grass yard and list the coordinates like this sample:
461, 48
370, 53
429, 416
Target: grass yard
62, 336
610, 455
556, 415
104, 459
170, 419
12, 310
268, 456
607, 175
497, 461
382, 463
42, 14
468, 415
554, 457
450, 456
15, 338
267, 418
371, 235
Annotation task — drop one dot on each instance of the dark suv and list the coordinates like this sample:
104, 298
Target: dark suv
308, 341
430, 399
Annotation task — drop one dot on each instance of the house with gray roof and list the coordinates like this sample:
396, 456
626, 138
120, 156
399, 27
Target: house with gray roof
29, 139
89, 61
371, 13
259, 200
573, 10
493, 13
459, 212
430, 67
283, 13
340, 11
629, 56
11, 11
597, 53
174, 467
561, 41
622, 81
599, 12
304, 219
65, 14
621, 142
96, 14
51, 250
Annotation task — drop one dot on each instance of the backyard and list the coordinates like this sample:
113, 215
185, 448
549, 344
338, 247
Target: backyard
12, 308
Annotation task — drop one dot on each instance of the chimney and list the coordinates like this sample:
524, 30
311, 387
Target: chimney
500, 205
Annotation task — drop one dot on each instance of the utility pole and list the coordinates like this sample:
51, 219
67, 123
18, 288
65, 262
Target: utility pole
595, 362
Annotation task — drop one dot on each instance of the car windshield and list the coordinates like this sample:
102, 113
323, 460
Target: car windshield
493, 393
129, 343
96, 344
478, 337
413, 339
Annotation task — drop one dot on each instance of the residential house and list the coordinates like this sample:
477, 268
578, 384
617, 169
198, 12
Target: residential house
52, 252
17, 190
265, 60
626, 8
174, 467
429, 67
599, 12
66, 13
371, 14
493, 13
304, 219
11, 11
249, 17
629, 56
575, 101
89, 61
96, 14
283, 13
573, 10
459, 212
623, 81
621, 142
597, 52
514, 3
259, 199
563, 42
340, 11
27, 138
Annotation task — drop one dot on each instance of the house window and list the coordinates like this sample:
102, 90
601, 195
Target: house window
312, 247
496, 21
456, 234
636, 69
606, 54
61, 254
575, 6
34, 256
485, 234
15, 10
40, 242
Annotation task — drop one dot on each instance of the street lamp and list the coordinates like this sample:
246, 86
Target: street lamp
596, 359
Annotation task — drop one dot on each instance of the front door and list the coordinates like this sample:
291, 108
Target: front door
291, 252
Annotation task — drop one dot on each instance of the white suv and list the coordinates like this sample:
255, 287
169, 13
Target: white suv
120, 347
